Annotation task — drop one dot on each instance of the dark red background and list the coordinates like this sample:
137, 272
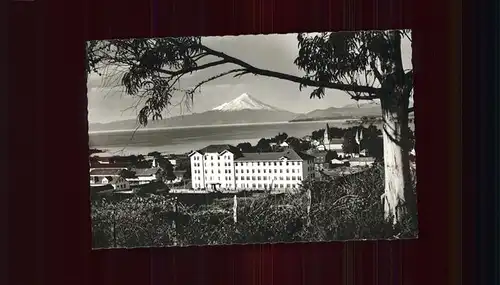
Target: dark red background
47, 199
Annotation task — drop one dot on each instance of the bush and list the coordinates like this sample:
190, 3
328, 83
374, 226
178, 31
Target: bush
137, 221
341, 209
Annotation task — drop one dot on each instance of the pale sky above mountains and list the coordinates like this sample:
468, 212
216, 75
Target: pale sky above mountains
107, 102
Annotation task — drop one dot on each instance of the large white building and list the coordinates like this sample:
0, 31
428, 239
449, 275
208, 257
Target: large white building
226, 167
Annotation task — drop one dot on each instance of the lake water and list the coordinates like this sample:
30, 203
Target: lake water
186, 139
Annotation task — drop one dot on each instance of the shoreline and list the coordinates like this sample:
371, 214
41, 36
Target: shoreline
213, 126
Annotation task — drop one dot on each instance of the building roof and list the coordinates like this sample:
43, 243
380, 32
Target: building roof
362, 159
336, 141
115, 179
105, 172
218, 148
145, 171
290, 154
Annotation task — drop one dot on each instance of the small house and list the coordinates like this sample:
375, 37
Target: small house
145, 175
102, 176
119, 183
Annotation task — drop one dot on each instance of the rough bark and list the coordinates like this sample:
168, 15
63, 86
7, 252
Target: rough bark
398, 198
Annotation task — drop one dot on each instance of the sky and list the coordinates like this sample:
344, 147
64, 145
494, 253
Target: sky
108, 102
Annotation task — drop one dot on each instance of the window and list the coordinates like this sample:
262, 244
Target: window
264, 177
248, 177
229, 171
258, 163
260, 185
281, 163
211, 164
293, 163
287, 163
236, 178
275, 171
288, 178
287, 170
218, 163
253, 170
288, 186
270, 171
253, 185
258, 170
218, 171
242, 177
281, 170
236, 171
281, 177
258, 177
293, 177
248, 171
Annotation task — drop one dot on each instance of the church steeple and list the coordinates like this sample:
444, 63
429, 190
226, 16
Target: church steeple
326, 136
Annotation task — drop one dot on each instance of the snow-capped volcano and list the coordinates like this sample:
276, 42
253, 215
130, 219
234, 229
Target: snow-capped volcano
245, 102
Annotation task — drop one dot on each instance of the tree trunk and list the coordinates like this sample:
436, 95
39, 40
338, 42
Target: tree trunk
398, 198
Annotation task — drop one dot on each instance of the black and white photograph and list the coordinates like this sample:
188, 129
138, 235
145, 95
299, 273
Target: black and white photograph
250, 139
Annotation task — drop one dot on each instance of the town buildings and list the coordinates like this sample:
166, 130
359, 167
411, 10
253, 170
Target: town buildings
329, 143
144, 175
226, 167
102, 177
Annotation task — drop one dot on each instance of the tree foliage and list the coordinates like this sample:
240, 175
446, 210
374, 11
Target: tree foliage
330, 155
245, 147
263, 145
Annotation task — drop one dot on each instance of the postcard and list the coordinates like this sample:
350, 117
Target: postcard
251, 139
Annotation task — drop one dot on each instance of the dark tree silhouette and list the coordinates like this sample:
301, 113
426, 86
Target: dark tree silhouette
263, 145
336, 133
330, 155
366, 65
318, 135
280, 138
245, 147
349, 145
154, 154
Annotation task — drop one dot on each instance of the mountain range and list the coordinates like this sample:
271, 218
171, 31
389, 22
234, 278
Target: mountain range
245, 109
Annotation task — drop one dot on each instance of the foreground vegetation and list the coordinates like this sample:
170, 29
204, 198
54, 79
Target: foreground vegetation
345, 208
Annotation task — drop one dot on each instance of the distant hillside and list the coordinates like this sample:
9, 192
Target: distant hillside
351, 111
203, 119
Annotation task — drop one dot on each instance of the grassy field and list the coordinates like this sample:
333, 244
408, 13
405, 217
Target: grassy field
339, 209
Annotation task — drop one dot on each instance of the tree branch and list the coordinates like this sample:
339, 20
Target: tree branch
197, 86
192, 69
304, 81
